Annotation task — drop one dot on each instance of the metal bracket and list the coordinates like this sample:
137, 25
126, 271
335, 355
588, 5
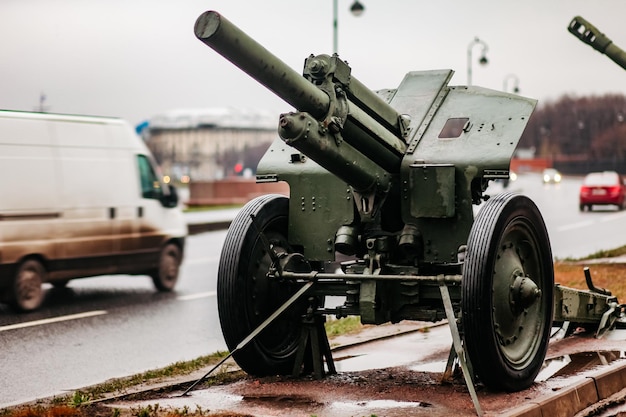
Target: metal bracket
607, 321
313, 336
466, 365
255, 332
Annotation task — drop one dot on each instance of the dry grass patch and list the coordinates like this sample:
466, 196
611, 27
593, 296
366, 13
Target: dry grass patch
609, 276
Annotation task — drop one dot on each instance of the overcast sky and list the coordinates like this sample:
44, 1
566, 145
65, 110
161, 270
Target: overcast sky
138, 58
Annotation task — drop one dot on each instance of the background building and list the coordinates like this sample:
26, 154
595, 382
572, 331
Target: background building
210, 144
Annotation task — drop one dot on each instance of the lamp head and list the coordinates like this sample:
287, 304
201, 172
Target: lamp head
357, 8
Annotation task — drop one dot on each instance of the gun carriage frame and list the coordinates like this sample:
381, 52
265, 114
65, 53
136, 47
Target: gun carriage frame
388, 181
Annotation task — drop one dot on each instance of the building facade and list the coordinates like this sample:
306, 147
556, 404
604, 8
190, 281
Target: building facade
210, 144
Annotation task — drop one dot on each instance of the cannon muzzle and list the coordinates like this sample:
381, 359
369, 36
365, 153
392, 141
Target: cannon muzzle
248, 55
339, 105
590, 35
301, 131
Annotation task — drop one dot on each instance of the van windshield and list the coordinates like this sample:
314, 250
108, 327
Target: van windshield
150, 185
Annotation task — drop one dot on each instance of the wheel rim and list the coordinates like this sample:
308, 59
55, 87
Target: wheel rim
280, 338
518, 315
166, 273
28, 291
169, 268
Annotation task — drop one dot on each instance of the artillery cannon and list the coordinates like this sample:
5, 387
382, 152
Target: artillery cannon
590, 35
388, 181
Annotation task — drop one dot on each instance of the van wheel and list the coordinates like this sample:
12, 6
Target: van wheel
27, 292
166, 275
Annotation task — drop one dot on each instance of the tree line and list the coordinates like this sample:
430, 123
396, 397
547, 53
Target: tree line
579, 129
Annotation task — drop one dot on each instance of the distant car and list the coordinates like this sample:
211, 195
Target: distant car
551, 175
602, 188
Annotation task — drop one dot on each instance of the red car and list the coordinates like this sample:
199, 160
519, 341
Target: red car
602, 188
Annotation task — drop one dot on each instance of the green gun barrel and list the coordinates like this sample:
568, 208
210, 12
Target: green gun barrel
371, 126
590, 35
233, 44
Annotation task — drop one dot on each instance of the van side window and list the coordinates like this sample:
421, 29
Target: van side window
150, 185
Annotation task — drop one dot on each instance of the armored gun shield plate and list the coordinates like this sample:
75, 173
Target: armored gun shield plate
474, 128
246, 296
507, 292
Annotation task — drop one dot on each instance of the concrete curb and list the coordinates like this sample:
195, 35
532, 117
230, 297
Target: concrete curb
574, 399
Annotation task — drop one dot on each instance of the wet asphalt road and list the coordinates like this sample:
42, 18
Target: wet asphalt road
110, 327
106, 327
572, 233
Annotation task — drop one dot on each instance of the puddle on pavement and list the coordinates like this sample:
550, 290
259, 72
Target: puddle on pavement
559, 367
375, 405
206, 399
286, 400
424, 348
434, 366
569, 365
216, 400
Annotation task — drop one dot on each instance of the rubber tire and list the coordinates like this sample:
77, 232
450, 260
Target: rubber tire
246, 297
26, 291
166, 276
489, 319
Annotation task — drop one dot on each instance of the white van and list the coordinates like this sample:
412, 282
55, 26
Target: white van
80, 196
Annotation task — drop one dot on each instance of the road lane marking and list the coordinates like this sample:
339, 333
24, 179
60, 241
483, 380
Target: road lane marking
587, 223
53, 320
196, 296
575, 225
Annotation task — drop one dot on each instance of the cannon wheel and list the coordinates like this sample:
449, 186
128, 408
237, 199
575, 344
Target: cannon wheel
507, 288
246, 296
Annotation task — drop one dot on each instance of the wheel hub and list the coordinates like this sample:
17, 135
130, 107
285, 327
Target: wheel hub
29, 285
516, 303
524, 292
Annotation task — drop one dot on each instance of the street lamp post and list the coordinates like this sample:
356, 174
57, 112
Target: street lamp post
482, 60
357, 9
515, 79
